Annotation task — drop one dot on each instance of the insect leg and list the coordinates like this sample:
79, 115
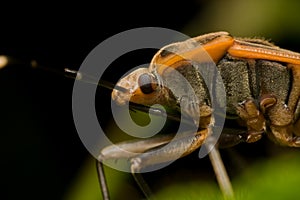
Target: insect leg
140, 180
219, 169
296, 127
125, 149
280, 116
281, 121
294, 100
175, 149
295, 91
231, 137
102, 180
249, 112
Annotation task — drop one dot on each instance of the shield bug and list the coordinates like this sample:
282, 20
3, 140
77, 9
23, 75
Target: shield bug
262, 85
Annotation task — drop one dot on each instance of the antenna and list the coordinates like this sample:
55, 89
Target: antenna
5, 61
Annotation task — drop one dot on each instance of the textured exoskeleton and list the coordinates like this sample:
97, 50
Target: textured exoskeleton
262, 84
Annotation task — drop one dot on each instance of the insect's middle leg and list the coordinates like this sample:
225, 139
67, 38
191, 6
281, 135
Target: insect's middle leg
249, 112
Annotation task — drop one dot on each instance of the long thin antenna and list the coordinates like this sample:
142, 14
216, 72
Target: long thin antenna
90, 79
69, 73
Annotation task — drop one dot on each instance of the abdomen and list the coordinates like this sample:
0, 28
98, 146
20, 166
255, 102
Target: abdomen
245, 78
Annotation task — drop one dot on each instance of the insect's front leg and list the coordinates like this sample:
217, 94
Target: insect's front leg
127, 149
181, 146
150, 154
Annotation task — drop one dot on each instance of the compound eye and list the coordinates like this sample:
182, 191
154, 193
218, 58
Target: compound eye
147, 83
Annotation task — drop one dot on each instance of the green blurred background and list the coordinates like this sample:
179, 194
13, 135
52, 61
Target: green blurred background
42, 156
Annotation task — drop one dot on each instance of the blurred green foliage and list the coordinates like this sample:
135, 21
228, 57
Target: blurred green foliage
276, 178
271, 19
